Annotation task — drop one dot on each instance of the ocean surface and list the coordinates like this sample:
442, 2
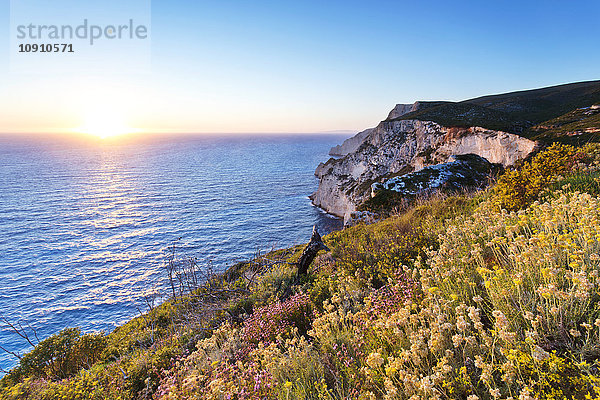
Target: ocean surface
86, 224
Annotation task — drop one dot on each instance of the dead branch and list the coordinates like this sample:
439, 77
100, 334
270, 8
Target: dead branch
21, 331
17, 355
310, 252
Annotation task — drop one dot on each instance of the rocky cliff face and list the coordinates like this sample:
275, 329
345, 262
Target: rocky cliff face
352, 144
395, 148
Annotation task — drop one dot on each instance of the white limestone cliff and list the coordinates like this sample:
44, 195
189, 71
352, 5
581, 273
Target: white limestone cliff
397, 147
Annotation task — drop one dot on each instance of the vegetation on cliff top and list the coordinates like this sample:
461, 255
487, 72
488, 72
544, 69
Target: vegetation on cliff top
547, 114
493, 295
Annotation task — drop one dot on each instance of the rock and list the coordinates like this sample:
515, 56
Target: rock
349, 145
398, 147
352, 144
401, 109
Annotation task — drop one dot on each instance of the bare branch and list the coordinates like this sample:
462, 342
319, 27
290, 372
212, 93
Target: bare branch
34, 332
11, 352
19, 331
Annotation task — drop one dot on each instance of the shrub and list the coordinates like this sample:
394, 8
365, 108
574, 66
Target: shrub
278, 319
63, 355
517, 188
373, 253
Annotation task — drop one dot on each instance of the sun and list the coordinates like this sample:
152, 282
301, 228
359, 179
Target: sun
104, 124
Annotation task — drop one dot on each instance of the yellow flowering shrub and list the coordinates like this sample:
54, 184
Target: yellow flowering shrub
518, 187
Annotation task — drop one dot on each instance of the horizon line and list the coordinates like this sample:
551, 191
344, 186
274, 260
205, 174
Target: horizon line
180, 132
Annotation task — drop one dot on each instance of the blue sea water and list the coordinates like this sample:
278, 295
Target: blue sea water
85, 225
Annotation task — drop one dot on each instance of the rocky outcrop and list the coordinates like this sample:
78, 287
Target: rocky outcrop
397, 147
402, 109
352, 144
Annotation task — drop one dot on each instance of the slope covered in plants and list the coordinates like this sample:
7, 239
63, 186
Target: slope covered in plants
492, 295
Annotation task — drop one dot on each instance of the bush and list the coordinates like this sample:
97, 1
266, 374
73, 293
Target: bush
373, 253
517, 188
278, 319
63, 355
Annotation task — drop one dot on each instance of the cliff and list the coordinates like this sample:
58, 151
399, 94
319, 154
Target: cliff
399, 146
501, 128
352, 144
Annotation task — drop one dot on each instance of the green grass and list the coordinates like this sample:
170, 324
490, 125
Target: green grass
583, 182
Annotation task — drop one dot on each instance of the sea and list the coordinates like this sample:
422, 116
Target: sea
87, 225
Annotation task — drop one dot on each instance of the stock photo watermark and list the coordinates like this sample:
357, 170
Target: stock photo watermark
86, 31
92, 36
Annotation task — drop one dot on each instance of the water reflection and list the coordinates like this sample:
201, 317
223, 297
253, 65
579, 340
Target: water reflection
88, 226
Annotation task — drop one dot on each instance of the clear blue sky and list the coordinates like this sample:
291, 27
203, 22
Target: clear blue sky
305, 66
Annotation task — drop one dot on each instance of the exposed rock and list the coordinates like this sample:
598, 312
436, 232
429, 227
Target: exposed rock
401, 109
352, 144
397, 147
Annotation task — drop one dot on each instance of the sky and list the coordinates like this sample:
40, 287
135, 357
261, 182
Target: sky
273, 67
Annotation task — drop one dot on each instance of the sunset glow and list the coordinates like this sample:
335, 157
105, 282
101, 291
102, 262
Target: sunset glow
104, 124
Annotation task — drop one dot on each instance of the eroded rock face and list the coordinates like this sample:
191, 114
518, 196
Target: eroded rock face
352, 144
398, 147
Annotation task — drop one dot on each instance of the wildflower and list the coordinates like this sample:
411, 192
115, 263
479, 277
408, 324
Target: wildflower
374, 360
575, 333
539, 354
475, 317
526, 395
479, 362
529, 315
426, 384
503, 326
390, 389
457, 340
586, 326
461, 323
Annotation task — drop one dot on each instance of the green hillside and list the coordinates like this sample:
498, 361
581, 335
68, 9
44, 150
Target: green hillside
522, 112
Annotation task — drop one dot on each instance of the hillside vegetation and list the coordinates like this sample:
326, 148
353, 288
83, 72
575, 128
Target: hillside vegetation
491, 295
531, 113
